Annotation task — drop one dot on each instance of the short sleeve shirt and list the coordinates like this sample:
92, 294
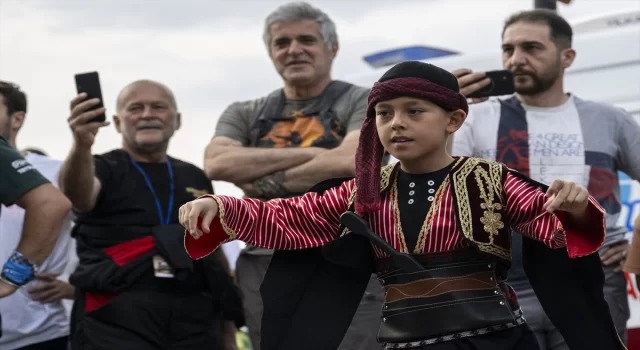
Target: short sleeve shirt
17, 174
125, 198
239, 118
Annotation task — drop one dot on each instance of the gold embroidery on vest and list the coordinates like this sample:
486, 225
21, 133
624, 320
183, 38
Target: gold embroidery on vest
385, 178
352, 198
462, 195
493, 189
435, 206
385, 175
431, 215
396, 216
492, 221
495, 250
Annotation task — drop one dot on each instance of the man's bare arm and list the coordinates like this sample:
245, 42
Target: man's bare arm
77, 179
45, 210
338, 162
227, 160
636, 234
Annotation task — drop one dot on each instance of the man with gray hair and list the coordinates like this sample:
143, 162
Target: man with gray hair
284, 143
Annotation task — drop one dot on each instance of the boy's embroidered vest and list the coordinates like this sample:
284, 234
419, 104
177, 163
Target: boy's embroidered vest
477, 187
461, 292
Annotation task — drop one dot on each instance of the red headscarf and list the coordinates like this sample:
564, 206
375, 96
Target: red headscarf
406, 79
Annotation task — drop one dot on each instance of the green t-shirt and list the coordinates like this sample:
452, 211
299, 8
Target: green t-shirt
17, 176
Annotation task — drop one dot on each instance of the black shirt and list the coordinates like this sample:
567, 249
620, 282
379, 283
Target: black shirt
416, 193
125, 198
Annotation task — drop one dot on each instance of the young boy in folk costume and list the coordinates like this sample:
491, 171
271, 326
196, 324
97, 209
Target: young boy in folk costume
453, 215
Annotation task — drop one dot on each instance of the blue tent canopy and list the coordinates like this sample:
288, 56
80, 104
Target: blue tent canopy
411, 53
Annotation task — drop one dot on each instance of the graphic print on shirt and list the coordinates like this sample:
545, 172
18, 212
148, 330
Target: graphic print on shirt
602, 180
513, 146
549, 141
299, 130
580, 141
570, 142
196, 192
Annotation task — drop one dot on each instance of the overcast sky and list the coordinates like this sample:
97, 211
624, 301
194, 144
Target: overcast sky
210, 52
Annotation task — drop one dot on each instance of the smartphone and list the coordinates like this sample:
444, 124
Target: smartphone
89, 83
501, 84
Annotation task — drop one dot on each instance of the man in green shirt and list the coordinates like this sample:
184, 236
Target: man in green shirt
21, 184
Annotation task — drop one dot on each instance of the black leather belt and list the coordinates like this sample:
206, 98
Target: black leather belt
442, 300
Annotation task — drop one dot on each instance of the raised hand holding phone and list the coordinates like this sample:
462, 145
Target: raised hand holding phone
479, 86
89, 84
470, 82
87, 110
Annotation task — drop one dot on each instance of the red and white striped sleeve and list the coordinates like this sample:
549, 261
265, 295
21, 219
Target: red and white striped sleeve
525, 208
308, 221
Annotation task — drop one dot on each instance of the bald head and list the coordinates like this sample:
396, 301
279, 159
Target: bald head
147, 117
135, 87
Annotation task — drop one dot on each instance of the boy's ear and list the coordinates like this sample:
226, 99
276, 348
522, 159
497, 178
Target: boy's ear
456, 119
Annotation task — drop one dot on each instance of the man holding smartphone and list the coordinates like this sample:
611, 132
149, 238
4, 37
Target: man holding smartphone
24, 250
544, 133
136, 288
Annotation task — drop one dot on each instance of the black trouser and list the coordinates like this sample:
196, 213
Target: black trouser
150, 320
516, 338
615, 294
361, 334
53, 344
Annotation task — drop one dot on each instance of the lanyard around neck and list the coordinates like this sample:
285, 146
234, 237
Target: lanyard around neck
164, 220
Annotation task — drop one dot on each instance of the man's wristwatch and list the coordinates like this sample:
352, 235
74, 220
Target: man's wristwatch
18, 270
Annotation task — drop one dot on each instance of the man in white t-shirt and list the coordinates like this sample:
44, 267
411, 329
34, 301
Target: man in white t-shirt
34, 317
546, 134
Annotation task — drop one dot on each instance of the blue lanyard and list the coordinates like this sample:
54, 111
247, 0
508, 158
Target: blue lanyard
164, 220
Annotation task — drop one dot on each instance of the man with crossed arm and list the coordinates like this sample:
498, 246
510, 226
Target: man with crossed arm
283, 144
